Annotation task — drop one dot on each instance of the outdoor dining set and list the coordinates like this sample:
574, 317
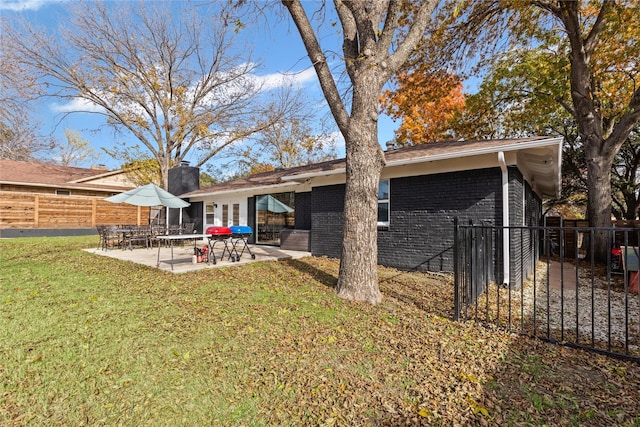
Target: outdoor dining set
128, 236
232, 240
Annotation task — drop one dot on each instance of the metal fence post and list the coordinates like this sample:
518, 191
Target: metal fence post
456, 271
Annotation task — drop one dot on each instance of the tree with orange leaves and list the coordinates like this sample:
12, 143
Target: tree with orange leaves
426, 103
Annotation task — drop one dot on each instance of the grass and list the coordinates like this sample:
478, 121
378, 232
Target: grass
88, 340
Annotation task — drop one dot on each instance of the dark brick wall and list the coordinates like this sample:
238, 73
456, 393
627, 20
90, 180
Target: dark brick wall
516, 235
183, 179
423, 208
420, 233
303, 211
327, 204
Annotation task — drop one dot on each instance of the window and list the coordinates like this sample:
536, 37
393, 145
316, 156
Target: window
209, 212
63, 193
236, 213
225, 215
383, 203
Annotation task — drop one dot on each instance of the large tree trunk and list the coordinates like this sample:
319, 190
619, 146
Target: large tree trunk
358, 277
374, 49
599, 200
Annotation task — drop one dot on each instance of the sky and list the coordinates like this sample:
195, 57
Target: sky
278, 49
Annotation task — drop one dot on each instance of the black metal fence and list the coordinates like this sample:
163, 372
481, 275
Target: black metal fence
537, 290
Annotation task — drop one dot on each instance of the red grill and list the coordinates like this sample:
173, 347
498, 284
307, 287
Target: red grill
222, 232
222, 235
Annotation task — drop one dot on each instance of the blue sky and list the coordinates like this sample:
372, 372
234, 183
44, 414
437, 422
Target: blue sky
278, 48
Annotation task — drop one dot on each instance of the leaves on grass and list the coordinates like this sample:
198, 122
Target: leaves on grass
271, 344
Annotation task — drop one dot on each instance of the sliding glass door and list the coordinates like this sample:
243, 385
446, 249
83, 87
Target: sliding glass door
274, 212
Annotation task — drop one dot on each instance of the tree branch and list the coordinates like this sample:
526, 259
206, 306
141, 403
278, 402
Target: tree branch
319, 62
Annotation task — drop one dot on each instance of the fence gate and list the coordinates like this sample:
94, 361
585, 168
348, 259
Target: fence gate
473, 260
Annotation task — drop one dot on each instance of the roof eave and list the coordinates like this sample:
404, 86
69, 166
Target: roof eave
65, 186
255, 189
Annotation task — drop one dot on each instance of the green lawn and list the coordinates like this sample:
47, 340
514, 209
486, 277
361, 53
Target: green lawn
89, 340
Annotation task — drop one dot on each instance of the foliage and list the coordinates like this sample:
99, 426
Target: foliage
596, 42
154, 74
289, 142
141, 169
426, 102
91, 340
626, 178
75, 152
207, 180
523, 94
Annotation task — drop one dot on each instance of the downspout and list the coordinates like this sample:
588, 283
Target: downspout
505, 218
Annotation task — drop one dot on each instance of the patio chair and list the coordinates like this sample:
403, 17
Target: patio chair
139, 235
110, 237
188, 228
156, 230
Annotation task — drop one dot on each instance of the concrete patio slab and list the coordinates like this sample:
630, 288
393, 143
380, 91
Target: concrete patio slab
182, 256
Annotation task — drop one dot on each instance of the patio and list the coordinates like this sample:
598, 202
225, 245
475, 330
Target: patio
182, 256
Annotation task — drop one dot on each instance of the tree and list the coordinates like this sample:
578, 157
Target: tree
426, 102
378, 38
19, 139
289, 142
76, 151
597, 42
155, 74
626, 178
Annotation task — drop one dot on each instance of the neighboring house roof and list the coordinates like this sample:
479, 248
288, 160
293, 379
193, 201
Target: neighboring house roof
538, 157
38, 174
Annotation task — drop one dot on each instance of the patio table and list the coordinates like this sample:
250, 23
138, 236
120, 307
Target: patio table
170, 238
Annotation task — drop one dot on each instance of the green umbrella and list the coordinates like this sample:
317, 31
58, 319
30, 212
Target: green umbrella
149, 195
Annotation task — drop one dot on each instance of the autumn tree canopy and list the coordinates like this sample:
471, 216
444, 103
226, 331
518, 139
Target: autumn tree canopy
591, 54
425, 102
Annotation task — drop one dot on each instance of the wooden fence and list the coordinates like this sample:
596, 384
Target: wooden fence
569, 237
30, 210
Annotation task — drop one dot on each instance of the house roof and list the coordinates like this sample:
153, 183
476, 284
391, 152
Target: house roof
541, 156
38, 174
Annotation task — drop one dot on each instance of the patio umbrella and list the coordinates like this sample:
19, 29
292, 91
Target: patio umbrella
271, 204
149, 195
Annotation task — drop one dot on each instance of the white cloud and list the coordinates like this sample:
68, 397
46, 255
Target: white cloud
22, 5
278, 80
76, 105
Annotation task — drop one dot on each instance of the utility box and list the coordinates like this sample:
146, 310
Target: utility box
295, 240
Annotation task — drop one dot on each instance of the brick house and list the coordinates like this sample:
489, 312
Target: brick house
422, 189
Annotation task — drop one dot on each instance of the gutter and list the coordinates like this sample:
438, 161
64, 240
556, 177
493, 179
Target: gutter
505, 218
